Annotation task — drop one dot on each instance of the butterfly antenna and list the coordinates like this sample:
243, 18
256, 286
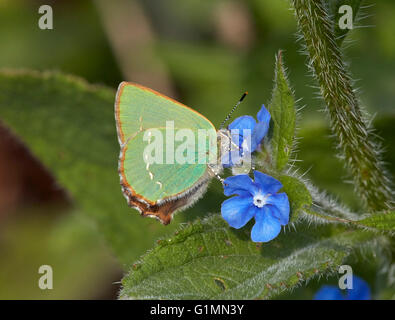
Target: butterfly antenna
233, 109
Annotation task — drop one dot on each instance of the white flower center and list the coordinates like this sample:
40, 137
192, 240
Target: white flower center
260, 200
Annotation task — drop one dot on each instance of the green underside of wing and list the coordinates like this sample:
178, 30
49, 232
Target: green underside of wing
141, 110
139, 107
161, 180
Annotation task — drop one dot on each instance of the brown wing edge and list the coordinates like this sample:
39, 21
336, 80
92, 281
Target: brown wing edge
164, 209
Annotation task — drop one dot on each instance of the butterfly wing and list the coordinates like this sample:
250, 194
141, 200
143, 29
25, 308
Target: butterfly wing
157, 189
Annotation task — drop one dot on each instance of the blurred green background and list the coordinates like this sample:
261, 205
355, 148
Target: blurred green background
202, 53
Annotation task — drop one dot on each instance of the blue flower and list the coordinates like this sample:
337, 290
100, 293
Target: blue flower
258, 199
360, 291
247, 134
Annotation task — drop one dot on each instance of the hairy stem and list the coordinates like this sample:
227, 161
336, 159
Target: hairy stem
359, 151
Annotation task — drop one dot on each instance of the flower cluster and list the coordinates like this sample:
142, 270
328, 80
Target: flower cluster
360, 291
258, 199
247, 134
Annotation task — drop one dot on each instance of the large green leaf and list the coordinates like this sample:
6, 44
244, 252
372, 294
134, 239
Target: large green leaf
210, 260
283, 115
69, 125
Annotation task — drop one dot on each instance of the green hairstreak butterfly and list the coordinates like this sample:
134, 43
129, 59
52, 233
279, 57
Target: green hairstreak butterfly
144, 116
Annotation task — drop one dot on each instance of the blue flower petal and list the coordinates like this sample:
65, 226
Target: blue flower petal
329, 293
259, 132
360, 290
238, 184
261, 129
243, 122
279, 205
263, 115
266, 227
267, 183
277, 215
237, 211
240, 127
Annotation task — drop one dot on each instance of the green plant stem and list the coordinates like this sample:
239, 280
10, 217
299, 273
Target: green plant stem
359, 151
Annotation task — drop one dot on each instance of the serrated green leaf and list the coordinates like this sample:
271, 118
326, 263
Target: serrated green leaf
69, 125
283, 115
210, 260
333, 6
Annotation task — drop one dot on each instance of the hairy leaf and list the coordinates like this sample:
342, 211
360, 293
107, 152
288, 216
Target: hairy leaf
383, 222
283, 114
298, 195
209, 260
329, 211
